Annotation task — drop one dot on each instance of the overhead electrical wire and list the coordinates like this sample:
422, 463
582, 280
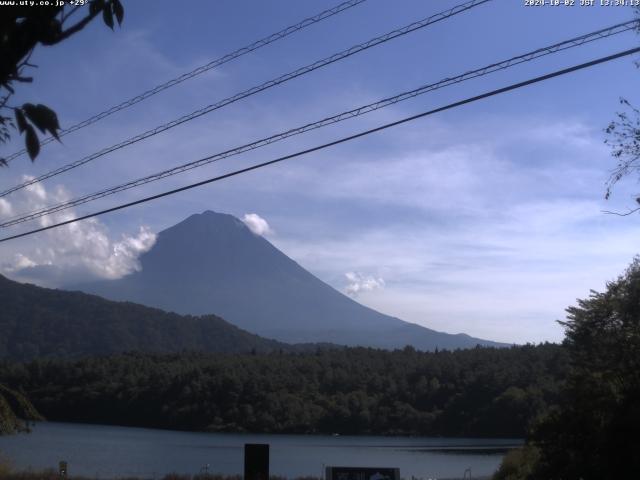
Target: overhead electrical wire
450, 106
263, 42
502, 65
252, 91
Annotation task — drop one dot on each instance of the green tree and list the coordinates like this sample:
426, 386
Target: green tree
595, 431
22, 29
518, 464
15, 411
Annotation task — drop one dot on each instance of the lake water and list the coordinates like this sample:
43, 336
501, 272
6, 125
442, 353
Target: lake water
108, 452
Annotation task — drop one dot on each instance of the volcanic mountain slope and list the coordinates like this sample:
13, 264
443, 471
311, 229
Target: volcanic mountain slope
212, 263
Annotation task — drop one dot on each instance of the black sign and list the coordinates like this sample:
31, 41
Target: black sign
256, 461
362, 473
62, 469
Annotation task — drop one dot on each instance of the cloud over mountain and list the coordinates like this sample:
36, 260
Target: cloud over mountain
257, 224
82, 250
213, 263
358, 282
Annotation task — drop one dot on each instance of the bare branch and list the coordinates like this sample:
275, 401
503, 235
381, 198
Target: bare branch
67, 16
78, 26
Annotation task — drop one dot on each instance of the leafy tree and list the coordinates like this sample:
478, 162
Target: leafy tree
22, 29
518, 464
624, 140
623, 136
15, 411
595, 431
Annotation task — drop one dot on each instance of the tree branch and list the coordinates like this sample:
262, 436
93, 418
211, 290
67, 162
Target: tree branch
67, 16
78, 26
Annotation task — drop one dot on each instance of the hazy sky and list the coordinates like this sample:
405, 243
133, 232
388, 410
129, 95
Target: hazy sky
485, 219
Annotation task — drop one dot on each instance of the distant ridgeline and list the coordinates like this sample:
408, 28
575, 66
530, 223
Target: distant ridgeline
475, 392
40, 322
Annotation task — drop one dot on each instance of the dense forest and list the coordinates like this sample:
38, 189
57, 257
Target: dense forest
475, 392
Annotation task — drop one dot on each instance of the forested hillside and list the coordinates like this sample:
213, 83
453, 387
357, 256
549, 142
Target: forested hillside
475, 392
41, 322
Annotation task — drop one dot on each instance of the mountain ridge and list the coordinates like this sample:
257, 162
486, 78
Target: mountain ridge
38, 322
211, 263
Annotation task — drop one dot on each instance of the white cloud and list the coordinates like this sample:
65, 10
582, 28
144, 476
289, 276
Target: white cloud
19, 262
488, 199
6, 209
257, 224
359, 282
81, 250
108, 258
489, 237
36, 191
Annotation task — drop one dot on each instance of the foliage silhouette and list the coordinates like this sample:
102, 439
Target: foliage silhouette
623, 136
22, 29
594, 431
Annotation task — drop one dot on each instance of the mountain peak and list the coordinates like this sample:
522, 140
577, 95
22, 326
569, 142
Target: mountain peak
206, 245
209, 217
205, 230
211, 263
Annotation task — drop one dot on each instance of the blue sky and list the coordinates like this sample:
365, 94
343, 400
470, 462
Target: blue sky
485, 219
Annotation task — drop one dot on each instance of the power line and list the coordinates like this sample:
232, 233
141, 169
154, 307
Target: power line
450, 106
263, 42
252, 91
529, 56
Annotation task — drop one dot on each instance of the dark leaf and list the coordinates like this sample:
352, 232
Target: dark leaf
20, 120
3, 162
107, 16
49, 31
33, 114
95, 6
118, 10
33, 144
42, 117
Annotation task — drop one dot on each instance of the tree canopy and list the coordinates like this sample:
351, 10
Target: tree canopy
15, 411
593, 431
623, 136
494, 392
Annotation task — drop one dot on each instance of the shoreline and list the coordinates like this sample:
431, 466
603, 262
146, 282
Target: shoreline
99, 451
